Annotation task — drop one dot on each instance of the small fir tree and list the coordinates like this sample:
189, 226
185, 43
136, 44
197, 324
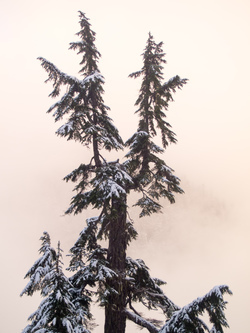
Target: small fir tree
118, 281
41, 267
60, 311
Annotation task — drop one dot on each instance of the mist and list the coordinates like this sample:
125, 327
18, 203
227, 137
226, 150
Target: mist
200, 241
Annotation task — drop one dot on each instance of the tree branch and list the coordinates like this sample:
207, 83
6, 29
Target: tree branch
141, 321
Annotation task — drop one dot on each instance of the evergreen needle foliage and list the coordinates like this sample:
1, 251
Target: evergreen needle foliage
107, 274
62, 310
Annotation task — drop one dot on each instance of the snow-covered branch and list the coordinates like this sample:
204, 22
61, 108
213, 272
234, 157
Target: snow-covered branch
141, 321
213, 303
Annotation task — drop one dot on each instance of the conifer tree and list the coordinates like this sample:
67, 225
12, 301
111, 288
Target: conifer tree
59, 312
153, 177
83, 104
100, 184
118, 281
41, 267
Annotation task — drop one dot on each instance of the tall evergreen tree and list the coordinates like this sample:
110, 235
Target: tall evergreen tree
100, 184
119, 281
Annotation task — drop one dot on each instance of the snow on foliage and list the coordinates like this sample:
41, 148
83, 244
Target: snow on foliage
57, 311
110, 189
186, 319
41, 266
93, 77
65, 129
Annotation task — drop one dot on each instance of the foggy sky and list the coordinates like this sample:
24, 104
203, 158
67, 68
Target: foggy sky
197, 243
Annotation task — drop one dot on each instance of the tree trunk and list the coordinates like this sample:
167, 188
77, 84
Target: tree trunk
96, 152
115, 318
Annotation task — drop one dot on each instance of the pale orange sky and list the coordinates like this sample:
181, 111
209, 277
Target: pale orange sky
202, 240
